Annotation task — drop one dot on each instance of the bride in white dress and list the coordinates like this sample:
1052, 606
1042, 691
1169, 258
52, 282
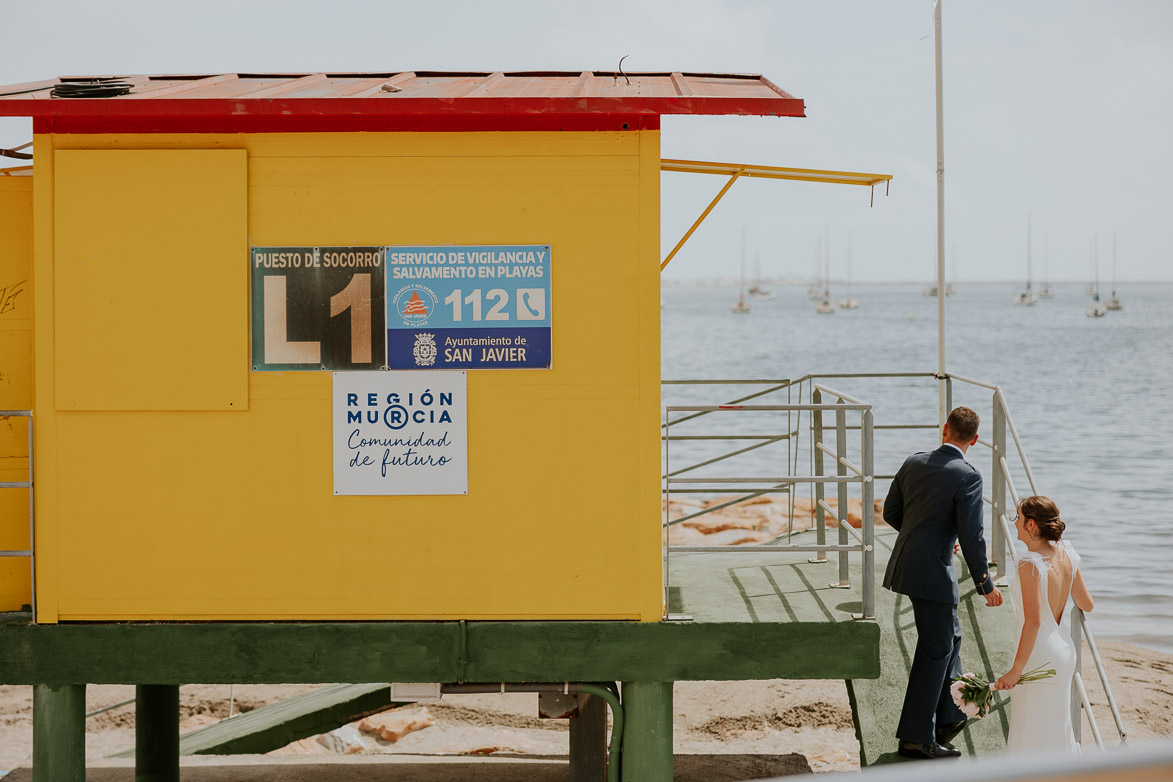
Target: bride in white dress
1047, 575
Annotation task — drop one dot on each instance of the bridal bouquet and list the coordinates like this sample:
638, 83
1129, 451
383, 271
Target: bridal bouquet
972, 693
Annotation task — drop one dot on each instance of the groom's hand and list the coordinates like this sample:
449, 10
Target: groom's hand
994, 597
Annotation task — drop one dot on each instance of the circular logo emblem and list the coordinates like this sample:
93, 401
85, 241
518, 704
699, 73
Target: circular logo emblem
414, 304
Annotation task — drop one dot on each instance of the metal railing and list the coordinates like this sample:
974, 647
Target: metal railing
751, 487
1002, 553
30, 552
1003, 432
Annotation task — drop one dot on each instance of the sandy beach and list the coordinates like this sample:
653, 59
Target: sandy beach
804, 725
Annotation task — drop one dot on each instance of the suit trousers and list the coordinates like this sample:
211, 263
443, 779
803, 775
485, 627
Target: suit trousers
937, 660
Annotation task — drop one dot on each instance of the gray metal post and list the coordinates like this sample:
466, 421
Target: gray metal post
841, 496
59, 733
820, 515
1076, 703
156, 733
948, 395
588, 740
998, 542
869, 501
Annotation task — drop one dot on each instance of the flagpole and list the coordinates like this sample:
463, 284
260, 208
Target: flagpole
941, 291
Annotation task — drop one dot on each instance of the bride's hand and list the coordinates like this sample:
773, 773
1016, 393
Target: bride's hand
1008, 681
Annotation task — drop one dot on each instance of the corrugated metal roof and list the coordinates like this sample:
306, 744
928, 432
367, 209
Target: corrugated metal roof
423, 93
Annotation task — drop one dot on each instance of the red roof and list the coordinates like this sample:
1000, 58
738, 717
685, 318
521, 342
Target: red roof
397, 101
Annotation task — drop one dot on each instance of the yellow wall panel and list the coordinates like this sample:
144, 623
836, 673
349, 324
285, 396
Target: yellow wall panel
151, 280
231, 515
16, 381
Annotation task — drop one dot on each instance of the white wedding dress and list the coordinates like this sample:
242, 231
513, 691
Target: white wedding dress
1040, 712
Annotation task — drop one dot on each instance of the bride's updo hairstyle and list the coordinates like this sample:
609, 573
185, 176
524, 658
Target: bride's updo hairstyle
1045, 515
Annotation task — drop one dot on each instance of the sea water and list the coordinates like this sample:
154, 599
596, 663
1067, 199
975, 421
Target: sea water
1090, 398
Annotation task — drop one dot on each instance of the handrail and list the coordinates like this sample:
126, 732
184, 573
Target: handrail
1091, 644
999, 402
1017, 441
749, 487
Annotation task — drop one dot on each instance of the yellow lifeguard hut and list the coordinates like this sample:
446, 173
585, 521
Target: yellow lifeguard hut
302, 350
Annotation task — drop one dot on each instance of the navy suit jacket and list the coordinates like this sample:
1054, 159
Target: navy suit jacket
935, 500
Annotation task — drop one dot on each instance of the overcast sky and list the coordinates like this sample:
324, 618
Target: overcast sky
1060, 110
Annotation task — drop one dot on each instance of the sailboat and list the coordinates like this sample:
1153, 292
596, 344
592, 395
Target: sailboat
1026, 297
741, 307
1046, 293
1113, 301
1096, 309
825, 306
813, 291
848, 303
756, 290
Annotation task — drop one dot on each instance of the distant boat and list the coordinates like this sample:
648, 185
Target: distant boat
1096, 309
848, 303
932, 290
1113, 301
1026, 297
825, 305
1046, 293
758, 292
814, 291
741, 307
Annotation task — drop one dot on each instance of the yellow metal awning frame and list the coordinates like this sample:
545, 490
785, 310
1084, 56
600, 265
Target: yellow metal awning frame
737, 170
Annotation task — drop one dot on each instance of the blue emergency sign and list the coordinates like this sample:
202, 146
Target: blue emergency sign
468, 307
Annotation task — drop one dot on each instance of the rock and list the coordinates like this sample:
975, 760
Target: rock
342, 741
391, 726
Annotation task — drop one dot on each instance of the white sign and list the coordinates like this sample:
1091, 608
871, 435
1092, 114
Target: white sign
400, 432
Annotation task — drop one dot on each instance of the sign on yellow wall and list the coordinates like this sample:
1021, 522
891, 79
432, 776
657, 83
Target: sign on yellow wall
318, 308
400, 433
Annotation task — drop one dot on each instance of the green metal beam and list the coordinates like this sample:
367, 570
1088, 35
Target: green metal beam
328, 652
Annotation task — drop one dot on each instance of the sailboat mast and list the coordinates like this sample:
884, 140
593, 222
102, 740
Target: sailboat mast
1028, 252
1096, 265
743, 261
1113, 263
827, 260
1046, 259
849, 264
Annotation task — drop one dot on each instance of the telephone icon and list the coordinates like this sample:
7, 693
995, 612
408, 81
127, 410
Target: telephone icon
531, 304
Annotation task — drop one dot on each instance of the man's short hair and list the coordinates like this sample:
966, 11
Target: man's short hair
963, 424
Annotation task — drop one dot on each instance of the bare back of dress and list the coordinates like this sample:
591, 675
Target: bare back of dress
1040, 712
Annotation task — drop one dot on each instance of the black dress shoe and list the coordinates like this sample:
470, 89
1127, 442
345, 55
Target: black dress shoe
927, 751
946, 733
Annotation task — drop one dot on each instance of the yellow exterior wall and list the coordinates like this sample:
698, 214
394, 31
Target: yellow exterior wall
230, 514
16, 381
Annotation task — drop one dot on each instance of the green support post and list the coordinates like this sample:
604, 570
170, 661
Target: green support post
156, 733
647, 734
59, 733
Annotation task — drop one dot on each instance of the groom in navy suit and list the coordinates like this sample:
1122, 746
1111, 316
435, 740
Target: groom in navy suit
936, 502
